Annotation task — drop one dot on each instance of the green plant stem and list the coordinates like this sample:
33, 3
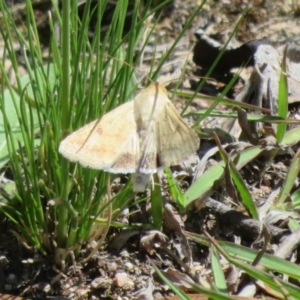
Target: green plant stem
62, 211
157, 203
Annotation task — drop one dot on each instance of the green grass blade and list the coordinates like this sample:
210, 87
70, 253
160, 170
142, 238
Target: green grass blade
291, 137
172, 286
218, 273
206, 182
244, 193
250, 117
290, 178
213, 67
282, 99
176, 192
157, 204
271, 262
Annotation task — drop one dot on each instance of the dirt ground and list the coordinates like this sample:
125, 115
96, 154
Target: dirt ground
124, 272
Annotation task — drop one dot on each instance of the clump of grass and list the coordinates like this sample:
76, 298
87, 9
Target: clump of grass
55, 204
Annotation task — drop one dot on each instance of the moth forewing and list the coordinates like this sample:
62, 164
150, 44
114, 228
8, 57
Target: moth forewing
127, 160
165, 139
146, 109
145, 112
101, 143
176, 141
148, 153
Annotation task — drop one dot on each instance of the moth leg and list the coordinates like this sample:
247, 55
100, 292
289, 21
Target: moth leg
140, 180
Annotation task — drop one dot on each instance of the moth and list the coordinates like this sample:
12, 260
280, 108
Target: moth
138, 137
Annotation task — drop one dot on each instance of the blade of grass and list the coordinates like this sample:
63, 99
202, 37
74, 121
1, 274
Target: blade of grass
206, 182
282, 98
172, 286
289, 180
250, 117
269, 261
218, 273
186, 26
176, 192
291, 137
224, 100
257, 273
212, 68
244, 193
62, 211
157, 203
201, 290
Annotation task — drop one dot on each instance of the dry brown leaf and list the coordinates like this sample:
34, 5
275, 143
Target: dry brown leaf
152, 237
118, 242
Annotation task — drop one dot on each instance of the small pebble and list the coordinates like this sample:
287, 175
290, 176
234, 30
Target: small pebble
124, 253
124, 281
3, 261
111, 267
101, 283
43, 286
128, 286
128, 266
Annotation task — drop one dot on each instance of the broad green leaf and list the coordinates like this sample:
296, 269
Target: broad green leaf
205, 183
27, 95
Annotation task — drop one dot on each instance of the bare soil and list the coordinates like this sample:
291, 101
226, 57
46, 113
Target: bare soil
122, 269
